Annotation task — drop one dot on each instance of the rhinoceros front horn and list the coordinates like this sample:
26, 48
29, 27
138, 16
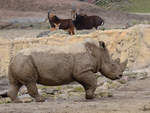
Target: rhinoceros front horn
123, 65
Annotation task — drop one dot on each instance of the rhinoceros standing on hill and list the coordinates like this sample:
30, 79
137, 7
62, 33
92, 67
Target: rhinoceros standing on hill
57, 65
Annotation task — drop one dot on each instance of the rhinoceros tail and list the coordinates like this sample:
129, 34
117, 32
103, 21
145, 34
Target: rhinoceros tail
3, 94
34, 65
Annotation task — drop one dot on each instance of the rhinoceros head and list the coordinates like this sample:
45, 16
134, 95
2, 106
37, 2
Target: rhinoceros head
111, 69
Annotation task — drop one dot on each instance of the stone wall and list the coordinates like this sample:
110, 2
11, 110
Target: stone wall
132, 43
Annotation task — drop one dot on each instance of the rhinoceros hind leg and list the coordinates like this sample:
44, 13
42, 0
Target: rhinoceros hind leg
89, 82
13, 91
33, 92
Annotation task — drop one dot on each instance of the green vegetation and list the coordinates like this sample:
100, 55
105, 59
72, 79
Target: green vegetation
142, 6
136, 6
78, 89
103, 3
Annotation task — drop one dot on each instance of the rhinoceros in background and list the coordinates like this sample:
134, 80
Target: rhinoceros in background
57, 65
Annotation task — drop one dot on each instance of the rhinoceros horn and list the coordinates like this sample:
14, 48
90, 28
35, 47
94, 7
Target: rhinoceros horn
123, 65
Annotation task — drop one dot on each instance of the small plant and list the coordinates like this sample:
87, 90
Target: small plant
102, 28
135, 22
78, 89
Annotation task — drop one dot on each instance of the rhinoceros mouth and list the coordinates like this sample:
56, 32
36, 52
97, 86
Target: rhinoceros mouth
117, 77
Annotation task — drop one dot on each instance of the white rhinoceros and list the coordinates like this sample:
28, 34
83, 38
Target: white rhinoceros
57, 65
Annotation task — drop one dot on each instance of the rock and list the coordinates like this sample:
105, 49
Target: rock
77, 94
4, 100
130, 75
125, 78
122, 81
4, 25
146, 107
63, 96
3, 84
43, 34
77, 89
27, 100
114, 85
142, 76
23, 91
24, 96
136, 75
105, 93
50, 91
106, 85
101, 80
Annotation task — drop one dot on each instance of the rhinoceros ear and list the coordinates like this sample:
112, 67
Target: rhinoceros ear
102, 44
117, 60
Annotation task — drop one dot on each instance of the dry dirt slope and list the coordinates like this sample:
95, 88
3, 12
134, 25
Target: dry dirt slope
132, 44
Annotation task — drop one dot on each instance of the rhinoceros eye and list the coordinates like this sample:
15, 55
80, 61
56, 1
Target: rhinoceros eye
113, 67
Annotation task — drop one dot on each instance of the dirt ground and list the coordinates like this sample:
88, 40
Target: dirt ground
133, 97
20, 33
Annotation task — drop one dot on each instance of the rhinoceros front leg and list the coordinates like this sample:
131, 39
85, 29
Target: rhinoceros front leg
89, 82
33, 92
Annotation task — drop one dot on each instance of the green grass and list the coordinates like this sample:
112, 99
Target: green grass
104, 3
140, 6
78, 89
135, 6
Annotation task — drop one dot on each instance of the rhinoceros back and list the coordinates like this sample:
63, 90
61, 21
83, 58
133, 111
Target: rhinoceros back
68, 48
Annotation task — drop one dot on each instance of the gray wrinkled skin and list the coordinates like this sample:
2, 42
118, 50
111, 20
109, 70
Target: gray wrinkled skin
57, 65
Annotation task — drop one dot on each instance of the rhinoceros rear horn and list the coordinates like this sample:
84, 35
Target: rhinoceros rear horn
123, 65
102, 44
